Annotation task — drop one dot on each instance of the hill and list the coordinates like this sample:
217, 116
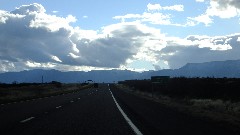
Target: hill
218, 69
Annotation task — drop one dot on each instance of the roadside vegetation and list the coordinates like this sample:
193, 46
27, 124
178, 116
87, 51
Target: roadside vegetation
216, 98
25, 91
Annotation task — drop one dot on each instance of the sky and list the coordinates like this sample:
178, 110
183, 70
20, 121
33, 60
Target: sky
83, 35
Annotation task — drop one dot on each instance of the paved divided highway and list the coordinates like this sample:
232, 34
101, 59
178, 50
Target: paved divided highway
100, 111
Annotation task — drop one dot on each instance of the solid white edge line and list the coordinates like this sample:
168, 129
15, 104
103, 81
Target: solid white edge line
134, 128
26, 120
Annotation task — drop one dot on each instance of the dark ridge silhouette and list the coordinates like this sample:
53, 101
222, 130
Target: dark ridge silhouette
217, 69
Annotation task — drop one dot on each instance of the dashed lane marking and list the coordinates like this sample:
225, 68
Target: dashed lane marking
58, 107
26, 120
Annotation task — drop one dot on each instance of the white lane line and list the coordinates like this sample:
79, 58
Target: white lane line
134, 128
26, 120
58, 107
71, 101
78, 98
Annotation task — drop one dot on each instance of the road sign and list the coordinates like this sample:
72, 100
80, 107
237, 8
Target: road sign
160, 79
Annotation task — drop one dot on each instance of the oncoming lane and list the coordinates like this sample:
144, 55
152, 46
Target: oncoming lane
91, 111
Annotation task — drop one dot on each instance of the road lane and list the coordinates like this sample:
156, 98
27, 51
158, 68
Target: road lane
11, 114
93, 111
85, 112
131, 124
155, 119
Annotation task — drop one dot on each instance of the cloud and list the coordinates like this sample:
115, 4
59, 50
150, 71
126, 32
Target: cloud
56, 59
157, 7
197, 49
55, 12
199, 0
153, 18
31, 38
153, 15
117, 43
224, 9
29, 34
29, 9
204, 18
227, 3
85, 16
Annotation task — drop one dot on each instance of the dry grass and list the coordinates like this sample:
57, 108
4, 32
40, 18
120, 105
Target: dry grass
218, 110
227, 107
13, 93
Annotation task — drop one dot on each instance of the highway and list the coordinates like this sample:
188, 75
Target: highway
100, 111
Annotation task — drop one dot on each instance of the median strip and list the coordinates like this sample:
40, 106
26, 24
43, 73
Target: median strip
134, 128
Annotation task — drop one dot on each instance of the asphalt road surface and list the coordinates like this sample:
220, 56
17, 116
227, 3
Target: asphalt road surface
100, 111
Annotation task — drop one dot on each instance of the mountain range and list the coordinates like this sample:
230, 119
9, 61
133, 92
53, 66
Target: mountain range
217, 69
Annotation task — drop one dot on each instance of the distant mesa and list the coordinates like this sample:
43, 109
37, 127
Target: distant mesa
217, 69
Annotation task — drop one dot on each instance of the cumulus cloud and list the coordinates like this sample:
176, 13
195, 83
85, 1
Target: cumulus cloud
29, 34
197, 49
29, 9
120, 42
224, 9
227, 3
31, 38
